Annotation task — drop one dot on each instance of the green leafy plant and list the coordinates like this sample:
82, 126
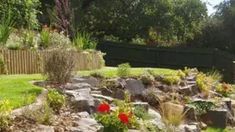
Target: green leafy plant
28, 39
83, 41
124, 70
202, 106
5, 111
45, 37
147, 78
43, 114
59, 65
171, 79
224, 89
141, 113
6, 24
204, 83
55, 100
119, 120
97, 75
181, 74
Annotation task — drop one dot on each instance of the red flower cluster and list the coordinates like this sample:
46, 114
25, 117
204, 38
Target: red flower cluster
103, 108
123, 118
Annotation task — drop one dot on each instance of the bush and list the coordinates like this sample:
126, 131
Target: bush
202, 107
5, 111
204, 83
42, 115
171, 79
147, 78
24, 11
55, 100
83, 41
97, 75
45, 37
224, 89
141, 113
59, 65
124, 70
6, 23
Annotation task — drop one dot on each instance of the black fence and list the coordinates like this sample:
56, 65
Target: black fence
175, 58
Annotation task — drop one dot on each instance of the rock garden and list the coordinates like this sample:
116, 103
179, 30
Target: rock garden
184, 101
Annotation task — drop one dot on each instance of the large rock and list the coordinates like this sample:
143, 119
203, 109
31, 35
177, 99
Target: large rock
156, 119
135, 87
216, 118
89, 125
75, 86
189, 90
189, 128
81, 100
172, 108
90, 80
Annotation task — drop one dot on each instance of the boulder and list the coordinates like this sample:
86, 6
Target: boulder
119, 94
189, 90
216, 118
102, 97
135, 87
189, 128
169, 107
90, 80
156, 119
89, 125
75, 86
190, 113
81, 100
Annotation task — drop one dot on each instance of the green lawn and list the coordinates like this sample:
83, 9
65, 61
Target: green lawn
18, 90
111, 71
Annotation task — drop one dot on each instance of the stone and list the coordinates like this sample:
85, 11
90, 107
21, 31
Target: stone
106, 98
90, 80
81, 100
153, 96
144, 105
106, 92
189, 90
156, 119
84, 114
135, 87
190, 113
89, 125
43, 128
216, 118
133, 130
75, 86
189, 128
169, 107
227, 104
119, 94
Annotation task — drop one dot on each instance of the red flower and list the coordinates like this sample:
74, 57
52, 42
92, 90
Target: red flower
103, 108
123, 118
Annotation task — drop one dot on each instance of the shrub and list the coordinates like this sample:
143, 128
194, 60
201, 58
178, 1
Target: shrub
83, 41
45, 37
171, 79
6, 23
181, 74
59, 65
204, 83
97, 75
124, 70
5, 111
42, 115
24, 12
55, 100
215, 75
141, 113
147, 78
224, 89
202, 106
28, 39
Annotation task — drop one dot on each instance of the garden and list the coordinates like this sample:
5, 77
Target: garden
53, 78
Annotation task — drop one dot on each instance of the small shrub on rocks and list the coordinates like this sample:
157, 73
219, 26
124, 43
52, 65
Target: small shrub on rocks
147, 78
141, 113
224, 89
55, 100
124, 70
5, 111
170, 80
59, 65
97, 75
204, 83
202, 106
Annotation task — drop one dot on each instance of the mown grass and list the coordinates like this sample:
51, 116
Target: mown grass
18, 89
212, 129
112, 71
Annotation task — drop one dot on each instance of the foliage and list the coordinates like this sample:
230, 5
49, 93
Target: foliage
59, 65
55, 100
42, 115
147, 78
202, 106
24, 11
171, 79
170, 117
204, 83
45, 37
97, 75
224, 89
181, 74
141, 113
119, 120
147, 126
156, 21
215, 75
6, 23
5, 112
29, 40
123, 70
83, 41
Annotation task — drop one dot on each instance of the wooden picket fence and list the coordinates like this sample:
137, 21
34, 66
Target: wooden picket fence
31, 62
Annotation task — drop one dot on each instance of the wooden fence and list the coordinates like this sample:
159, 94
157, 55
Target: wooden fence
147, 56
31, 62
